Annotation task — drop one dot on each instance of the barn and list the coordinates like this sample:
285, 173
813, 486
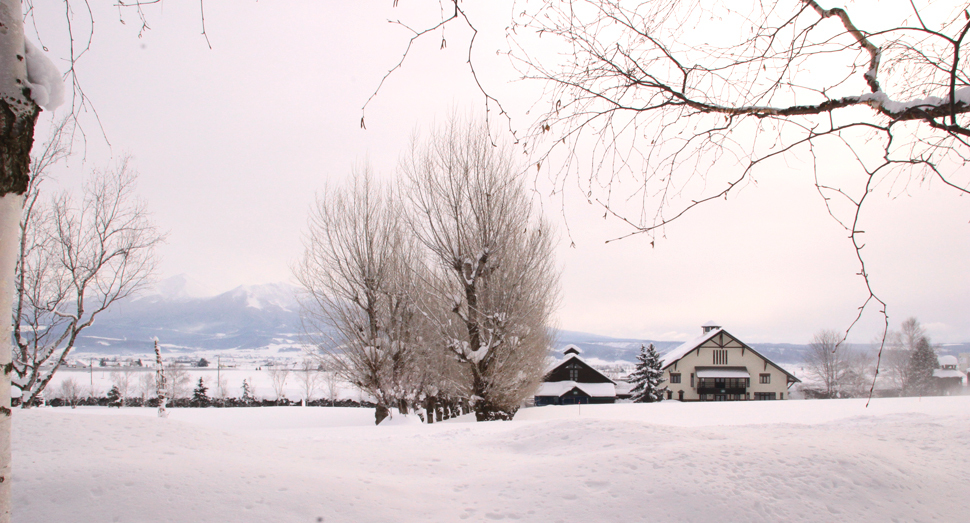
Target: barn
573, 381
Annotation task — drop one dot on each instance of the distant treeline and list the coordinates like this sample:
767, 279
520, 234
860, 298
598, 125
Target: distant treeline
104, 401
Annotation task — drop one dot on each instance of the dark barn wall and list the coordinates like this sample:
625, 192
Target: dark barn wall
586, 373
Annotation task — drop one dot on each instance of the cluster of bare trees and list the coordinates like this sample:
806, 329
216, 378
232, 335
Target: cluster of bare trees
75, 259
655, 107
436, 290
903, 367
840, 370
910, 359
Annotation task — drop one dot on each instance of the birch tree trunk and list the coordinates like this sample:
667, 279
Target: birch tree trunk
18, 113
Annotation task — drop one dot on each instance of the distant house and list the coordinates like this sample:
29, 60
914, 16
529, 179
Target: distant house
948, 377
573, 381
717, 366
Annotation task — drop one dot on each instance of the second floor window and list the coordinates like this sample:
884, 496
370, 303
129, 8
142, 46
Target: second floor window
674, 378
720, 357
573, 372
765, 378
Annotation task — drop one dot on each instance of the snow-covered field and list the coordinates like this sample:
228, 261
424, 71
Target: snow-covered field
899, 460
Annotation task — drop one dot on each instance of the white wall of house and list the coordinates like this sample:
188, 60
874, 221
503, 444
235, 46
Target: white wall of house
735, 355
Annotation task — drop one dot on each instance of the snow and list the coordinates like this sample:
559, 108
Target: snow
43, 78
881, 99
948, 361
558, 388
947, 373
684, 348
722, 372
901, 459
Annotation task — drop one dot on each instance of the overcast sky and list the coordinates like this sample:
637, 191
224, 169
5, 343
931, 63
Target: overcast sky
232, 143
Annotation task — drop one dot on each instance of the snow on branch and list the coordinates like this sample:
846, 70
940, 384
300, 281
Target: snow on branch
43, 78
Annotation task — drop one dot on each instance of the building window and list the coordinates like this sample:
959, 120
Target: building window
691, 379
765, 378
573, 372
723, 383
720, 357
762, 396
674, 378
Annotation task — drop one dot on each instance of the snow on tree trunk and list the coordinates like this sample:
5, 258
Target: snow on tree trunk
160, 383
10, 205
18, 113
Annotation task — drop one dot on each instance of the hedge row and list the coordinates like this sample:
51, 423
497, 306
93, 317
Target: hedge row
189, 403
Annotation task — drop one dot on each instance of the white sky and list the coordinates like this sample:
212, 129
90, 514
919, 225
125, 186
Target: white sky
233, 142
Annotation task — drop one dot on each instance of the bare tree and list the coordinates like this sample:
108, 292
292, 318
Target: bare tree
178, 382
29, 81
899, 347
20, 102
146, 387
331, 384
358, 306
278, 374
71, 392
493, 283
841, 370
77, 259
658, 107
308, 374
123, 380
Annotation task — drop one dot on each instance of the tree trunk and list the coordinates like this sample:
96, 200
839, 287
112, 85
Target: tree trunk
380, 413
18, 113
485, 408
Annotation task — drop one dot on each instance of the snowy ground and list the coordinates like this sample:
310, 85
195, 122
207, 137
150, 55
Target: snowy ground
826, 460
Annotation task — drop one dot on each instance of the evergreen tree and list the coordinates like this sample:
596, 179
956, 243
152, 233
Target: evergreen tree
647, 377
114, 397
247, 395
199, 397
919, 372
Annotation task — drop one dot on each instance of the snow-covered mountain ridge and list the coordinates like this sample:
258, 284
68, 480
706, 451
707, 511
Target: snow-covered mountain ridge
249, 318
266, 317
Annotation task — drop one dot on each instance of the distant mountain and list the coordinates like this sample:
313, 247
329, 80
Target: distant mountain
255, 318
246, 318
626, 349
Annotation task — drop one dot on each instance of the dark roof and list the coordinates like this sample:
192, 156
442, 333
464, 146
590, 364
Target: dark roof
586, 373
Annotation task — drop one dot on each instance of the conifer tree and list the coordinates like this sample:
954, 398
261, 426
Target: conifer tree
247, 395
919, 373
199, 397
647, 377
114, 397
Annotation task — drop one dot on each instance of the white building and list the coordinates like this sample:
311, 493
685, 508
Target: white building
949, 379
716, 366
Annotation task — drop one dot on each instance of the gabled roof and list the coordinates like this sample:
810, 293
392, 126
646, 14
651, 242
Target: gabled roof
556, 365
559, 388
686, 348
572, 349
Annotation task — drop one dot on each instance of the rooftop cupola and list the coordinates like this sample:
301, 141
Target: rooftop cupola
572, 350
710, 326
